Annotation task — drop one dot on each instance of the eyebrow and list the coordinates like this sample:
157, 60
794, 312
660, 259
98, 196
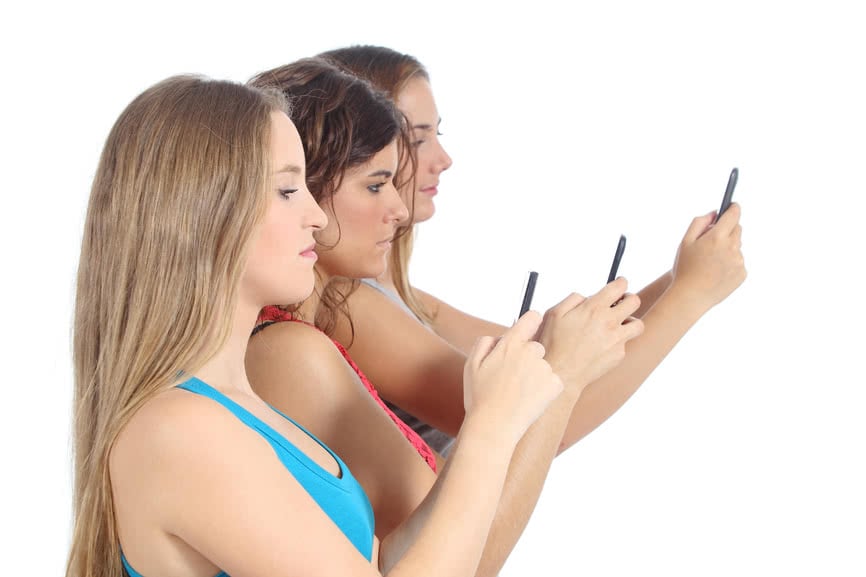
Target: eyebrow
426, 126
382, 173
293, 168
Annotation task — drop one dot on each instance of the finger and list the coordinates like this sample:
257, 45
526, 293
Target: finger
699, 226
737, 232
612, 291
729, 220
479, 351
626, 307
566, 304
535, 349
633, 328
524, 329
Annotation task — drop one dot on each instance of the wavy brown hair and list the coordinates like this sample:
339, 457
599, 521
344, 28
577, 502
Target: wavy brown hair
389, 71
343, 122
178, 191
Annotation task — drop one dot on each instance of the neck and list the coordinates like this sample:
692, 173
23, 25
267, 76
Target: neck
386, 279
225, 370
309, 307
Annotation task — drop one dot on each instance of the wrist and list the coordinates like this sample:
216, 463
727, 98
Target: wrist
690, 302
490, 434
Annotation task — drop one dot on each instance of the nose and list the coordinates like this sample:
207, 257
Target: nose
442, 161
396, 208
314, 216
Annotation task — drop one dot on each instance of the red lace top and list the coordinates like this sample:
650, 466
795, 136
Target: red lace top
272, 314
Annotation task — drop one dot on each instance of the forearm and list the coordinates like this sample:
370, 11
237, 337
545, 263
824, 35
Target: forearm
458, 328
461, 505
652, 292
526, 475
673, 314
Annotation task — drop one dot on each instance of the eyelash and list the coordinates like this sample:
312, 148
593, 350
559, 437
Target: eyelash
287, 192
418, 143
375, 188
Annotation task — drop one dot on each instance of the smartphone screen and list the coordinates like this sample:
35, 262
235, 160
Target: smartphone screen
617, 257
528, 291
729, 193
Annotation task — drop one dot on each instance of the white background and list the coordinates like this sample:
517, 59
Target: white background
743, 453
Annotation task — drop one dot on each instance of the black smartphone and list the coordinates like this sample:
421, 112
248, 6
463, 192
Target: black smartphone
617, 257
729, 193
528, 292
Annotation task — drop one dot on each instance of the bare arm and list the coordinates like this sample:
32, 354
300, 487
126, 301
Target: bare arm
410, 365
187, 467
298, 370
652, 292
709, 266
536, 450
664, 326
455, 326
394, 476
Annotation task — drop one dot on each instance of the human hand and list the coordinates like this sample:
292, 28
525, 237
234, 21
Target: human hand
507, 382
585, 337
709, 263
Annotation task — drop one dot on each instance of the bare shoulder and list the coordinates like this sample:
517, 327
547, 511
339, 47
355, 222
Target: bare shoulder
168, 431
293, 342
176, 464
295, 365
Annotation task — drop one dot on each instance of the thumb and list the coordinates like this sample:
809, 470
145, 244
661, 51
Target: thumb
699, 226
482, 347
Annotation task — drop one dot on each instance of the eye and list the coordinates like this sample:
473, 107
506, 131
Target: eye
375, 188
287, 192
417, 143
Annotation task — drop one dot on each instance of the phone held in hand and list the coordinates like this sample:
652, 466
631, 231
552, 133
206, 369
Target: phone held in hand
617, 257
528, 291
729, 193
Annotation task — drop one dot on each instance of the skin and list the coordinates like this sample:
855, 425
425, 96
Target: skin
582, 338
366, 209
424, 379
416, 101
182, 458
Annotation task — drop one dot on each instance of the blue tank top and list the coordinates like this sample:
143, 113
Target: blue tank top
342, 498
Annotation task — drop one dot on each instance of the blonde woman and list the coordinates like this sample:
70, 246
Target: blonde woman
199, 216
430, 338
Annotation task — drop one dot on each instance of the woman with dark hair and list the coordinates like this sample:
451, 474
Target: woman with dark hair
352, 139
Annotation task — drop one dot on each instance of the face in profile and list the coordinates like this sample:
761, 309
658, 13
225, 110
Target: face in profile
417, 103
279, 268
362, 219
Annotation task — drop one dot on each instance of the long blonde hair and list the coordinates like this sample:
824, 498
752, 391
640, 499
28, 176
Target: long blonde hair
179, 189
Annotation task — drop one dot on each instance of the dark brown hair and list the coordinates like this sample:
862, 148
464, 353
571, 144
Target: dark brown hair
343, 123
389, 71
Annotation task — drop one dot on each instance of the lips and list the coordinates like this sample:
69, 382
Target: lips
309, 252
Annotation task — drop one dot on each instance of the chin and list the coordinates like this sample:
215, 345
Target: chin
424, 211
298, 296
